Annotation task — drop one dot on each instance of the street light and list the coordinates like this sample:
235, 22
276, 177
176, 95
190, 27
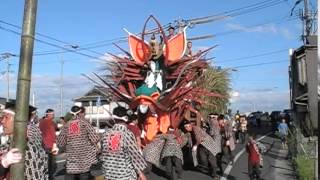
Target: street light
6, 56
74, 47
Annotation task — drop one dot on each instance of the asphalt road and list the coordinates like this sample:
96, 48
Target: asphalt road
236, 172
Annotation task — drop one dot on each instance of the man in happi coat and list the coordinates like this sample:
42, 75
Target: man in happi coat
79, 139
171, 155
228, 144
120, 154
215, 133
206, 148
36, 159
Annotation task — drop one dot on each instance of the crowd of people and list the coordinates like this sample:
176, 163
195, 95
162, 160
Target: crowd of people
121, 150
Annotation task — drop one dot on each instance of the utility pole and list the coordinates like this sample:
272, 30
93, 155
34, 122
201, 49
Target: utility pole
17, 171
6, 56
8, 80
307, 19
61, 87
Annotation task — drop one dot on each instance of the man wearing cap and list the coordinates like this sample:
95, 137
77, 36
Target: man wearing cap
120, 154
79, 139
206, 147
35, 156
48, 131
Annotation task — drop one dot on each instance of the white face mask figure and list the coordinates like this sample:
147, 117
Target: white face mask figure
143, 108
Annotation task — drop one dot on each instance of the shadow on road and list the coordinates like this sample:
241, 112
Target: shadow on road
231, 177
282, 168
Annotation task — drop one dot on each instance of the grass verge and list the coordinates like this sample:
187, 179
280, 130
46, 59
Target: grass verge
305, 167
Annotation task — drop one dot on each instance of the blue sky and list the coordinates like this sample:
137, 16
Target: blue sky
81, 23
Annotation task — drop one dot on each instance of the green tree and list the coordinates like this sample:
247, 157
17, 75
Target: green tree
216, 81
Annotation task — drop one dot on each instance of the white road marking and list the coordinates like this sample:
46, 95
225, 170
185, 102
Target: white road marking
229, 167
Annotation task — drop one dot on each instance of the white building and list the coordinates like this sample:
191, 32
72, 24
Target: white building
97, 113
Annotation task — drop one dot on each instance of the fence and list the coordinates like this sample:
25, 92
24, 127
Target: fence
304, 153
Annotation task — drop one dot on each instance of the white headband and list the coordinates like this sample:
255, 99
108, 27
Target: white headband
9, 111
75, 113
120, 118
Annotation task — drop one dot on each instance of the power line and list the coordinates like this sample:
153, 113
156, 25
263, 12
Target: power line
252, 56
278, 21
54, 45
232, 13
259, 64
235, 10
51, 44
121, 41
54, 39
257, 6
101, 59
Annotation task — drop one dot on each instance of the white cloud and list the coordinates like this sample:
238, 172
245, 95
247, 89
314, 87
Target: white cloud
235, 95
261, 99
268, 28
47, 91
286, 33
262, 29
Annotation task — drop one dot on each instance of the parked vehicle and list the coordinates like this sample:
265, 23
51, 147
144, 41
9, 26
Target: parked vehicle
287, 115
275, 117
252, 119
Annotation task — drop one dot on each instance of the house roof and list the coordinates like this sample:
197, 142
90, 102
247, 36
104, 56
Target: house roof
94, 93
4, 100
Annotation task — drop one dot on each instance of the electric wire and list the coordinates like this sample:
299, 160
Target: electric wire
232, 13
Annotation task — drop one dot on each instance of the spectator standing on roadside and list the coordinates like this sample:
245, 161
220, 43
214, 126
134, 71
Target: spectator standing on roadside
283, 131
243, 128
236, 127
48, 132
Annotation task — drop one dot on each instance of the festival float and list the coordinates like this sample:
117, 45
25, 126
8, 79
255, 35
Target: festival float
158, 78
